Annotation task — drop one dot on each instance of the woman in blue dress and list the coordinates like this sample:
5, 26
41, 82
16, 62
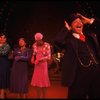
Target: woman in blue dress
19, 71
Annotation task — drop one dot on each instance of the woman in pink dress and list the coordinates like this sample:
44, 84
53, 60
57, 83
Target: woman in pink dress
41, 54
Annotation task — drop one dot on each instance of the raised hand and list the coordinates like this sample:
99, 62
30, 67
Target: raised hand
85, 20
67, 25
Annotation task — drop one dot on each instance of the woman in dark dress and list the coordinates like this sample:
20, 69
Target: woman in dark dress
19, 71
4, 65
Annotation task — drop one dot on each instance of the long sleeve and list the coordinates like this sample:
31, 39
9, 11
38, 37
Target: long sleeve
13, 53
95, 25
46, 52
59, 41
42, 54
93, 33
27, 56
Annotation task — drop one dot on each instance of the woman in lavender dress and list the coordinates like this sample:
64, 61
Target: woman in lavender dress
19, 71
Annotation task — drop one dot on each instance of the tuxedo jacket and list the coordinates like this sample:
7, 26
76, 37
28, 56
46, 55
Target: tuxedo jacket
65, 40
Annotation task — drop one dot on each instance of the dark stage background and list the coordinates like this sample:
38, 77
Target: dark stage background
25, 18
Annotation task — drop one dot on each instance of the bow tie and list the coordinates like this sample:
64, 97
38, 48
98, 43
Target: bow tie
82, 37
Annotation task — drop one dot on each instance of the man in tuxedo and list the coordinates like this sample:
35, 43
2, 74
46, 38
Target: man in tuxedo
81, 62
